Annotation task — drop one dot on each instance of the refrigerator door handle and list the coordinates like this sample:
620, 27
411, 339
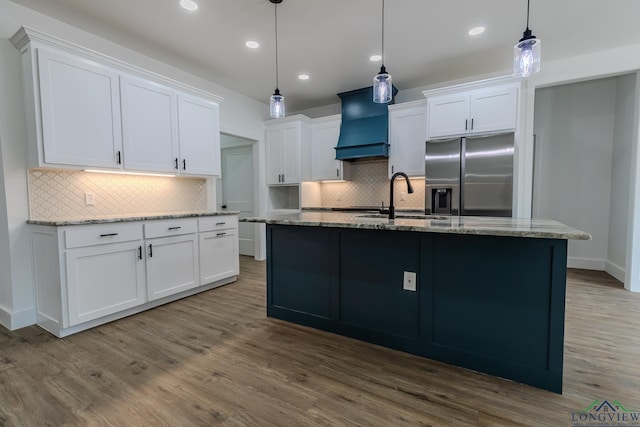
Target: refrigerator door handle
463, 167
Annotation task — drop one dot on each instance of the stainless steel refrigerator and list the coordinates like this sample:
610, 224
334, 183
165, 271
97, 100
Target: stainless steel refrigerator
470, 176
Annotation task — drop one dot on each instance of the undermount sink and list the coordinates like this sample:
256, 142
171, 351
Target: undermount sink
408, 216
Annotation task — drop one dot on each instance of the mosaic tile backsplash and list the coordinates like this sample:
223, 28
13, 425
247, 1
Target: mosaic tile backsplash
60, 194
369, 186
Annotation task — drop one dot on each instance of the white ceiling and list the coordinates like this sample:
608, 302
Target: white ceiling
426, 41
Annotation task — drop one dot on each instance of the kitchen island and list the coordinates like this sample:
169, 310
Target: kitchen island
488, 293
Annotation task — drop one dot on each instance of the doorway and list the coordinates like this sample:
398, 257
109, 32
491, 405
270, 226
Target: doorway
582, 166
236, 186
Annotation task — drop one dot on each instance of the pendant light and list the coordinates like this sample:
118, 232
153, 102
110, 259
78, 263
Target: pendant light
526, 53
382, 87
276, 104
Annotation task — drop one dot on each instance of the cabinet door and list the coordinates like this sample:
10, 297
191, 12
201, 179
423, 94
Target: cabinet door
494, 110
291, 153
103, 280
172, 265
80, 108
407, 138
324, 138
274, 156
149, 126
448, 115
219, 257
199, 130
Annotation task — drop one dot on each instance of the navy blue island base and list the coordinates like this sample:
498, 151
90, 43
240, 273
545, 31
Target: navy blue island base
493, 304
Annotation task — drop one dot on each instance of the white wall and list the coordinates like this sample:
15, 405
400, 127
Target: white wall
17, 310
239, 115
621, 175
5, 252
574, 126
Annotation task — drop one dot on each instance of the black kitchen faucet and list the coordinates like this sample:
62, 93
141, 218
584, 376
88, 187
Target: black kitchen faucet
392, 211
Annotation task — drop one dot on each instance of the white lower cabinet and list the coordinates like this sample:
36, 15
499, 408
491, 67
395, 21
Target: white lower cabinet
104, 279
87, 275
172, 265
218, 243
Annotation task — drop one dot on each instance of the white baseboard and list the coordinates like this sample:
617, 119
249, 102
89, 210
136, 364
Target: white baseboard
586, 263
615, 270
17, 319
5, 317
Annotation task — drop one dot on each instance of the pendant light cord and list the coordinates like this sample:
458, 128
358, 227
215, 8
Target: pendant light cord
383, 33
275, 12
528, 14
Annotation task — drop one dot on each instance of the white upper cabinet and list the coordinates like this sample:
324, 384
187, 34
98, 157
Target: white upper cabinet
287, 149
325, 132
199, 128
149, 126
80, 111
86, 110
448, 115
407, 137
494, 110
484, 110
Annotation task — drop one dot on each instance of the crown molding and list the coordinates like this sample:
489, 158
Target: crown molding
26, 37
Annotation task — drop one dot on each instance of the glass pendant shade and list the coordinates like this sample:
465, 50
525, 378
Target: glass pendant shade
526, 57
382, 87
276, 105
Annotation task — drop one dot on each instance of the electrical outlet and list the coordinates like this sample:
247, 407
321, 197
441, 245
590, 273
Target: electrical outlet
89, 198
409, 282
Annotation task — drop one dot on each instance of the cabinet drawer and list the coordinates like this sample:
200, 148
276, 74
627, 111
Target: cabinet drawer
172, 227
89, 235
218, 223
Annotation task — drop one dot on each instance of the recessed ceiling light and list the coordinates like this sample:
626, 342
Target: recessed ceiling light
303, 76
375, 58
252, 44
190, 5
475, 31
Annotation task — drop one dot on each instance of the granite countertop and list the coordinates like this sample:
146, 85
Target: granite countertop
485, 226
126, 218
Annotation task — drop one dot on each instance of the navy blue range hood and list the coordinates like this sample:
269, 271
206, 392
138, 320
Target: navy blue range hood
364, 133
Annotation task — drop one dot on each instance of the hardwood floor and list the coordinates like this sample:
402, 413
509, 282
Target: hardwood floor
215, 359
